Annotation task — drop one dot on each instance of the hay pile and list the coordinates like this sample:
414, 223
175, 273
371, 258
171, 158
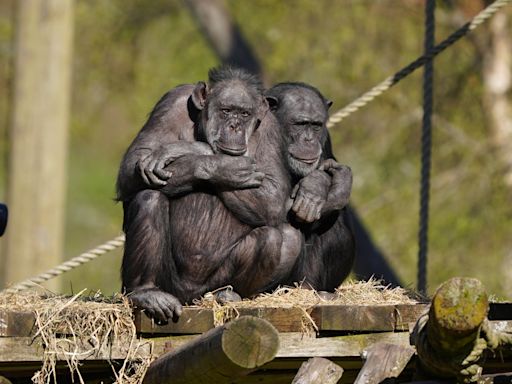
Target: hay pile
80, 327
371, 292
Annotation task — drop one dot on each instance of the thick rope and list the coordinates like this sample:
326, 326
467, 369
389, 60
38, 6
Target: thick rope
68, 265
333, 120
392, 80
426, 145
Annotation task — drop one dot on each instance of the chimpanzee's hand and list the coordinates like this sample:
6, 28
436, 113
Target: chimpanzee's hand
152, 167
231, 172
159, 305
341, 185
310, 195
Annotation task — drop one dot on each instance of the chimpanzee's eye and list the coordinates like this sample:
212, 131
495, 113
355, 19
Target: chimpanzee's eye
245, 114
226, 111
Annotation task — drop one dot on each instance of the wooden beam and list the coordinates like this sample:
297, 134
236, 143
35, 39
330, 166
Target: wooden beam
233, 350
366, 317
318, 371
459, 307
343, 318
16, 323
384, 361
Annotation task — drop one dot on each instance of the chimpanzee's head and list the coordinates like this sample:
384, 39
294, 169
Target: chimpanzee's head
232, 106
302, 112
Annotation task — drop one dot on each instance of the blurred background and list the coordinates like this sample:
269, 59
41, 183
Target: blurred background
78, 79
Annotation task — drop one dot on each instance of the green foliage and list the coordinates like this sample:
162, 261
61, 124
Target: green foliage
129, 52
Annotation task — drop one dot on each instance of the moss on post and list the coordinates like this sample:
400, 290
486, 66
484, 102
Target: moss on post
459, 307
448, 340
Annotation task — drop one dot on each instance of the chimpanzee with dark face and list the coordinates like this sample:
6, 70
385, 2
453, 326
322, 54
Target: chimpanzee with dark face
204, 188
322, 186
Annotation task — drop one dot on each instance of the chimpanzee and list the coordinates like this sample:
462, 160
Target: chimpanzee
204, 189
322, 186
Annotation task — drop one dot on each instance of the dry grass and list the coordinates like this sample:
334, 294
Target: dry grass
370, 292
76, 328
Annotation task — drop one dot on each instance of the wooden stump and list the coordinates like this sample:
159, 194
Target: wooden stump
448, 344
219, 355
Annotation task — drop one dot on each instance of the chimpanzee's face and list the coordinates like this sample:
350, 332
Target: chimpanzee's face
232, 117
303, 115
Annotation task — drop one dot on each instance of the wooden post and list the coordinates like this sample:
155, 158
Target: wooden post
318, 371
219, 355
458, 310
38, 138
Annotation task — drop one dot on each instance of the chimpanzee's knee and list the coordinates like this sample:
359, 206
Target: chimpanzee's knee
291, 243
149, 199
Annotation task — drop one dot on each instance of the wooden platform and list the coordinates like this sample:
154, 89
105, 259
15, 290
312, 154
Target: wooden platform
343, 333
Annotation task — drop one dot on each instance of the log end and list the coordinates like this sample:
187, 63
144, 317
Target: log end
458, 308
250, 342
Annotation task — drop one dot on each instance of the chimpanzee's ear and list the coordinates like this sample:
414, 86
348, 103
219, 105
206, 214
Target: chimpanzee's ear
263, 109
273, 102
199, 95
329, 103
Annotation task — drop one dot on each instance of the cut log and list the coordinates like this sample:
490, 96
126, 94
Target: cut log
318, 371
223, 353
458, 309
384, 361
447, 337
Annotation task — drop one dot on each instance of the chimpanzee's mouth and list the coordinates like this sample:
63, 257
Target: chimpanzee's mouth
231, 151
307, 161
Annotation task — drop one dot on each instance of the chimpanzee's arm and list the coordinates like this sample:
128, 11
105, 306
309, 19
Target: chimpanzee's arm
264, 205
322, 192
211, 173
168, 122
341, 186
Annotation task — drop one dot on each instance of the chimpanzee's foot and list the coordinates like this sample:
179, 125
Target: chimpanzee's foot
227, 295
157, 304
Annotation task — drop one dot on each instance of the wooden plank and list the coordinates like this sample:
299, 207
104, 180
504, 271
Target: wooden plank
384, 361
193, 320
341, 318
16, 323
199, 320
27, 350
233, 350
298, 345
283, 319
366, 317
318, 371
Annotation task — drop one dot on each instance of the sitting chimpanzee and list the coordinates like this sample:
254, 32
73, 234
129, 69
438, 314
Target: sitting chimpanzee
204, 189
320, 198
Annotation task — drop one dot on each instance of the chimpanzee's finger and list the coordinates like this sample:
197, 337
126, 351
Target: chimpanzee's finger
154, 180
298, 206
142, 169
294, 191
162, 173
158, 314
167, 308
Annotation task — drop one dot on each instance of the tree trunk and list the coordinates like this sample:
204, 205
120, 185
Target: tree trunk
38, 137
497, 76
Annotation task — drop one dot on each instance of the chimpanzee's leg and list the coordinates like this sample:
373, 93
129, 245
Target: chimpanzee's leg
264, 258
327, 257
337, 247
147, 265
